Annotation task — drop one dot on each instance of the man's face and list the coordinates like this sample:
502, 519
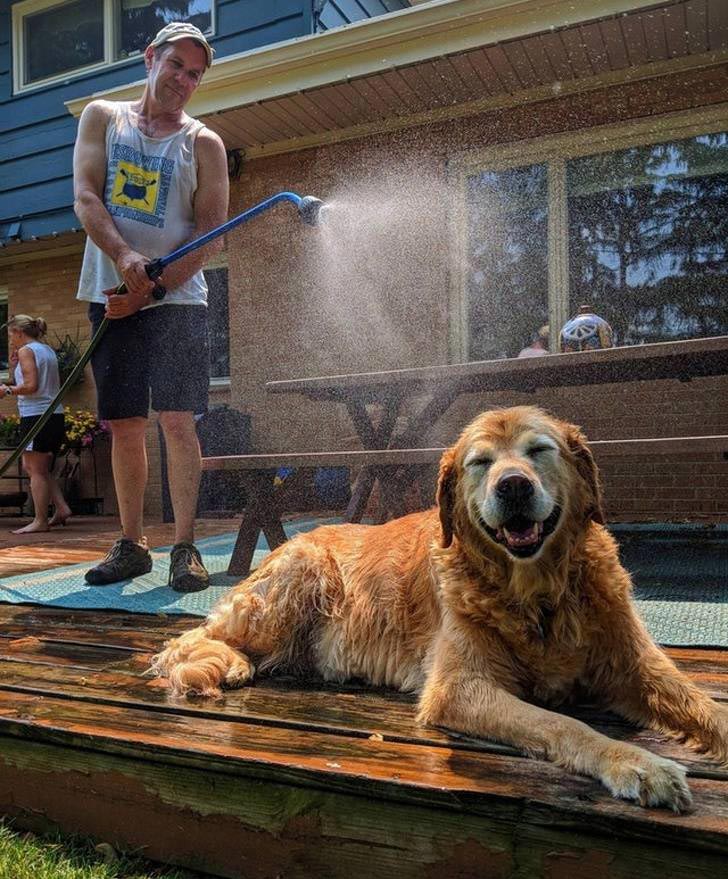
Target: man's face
174, 72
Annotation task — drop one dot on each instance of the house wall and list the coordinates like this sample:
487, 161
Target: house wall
391, 309
300, 307
37, 132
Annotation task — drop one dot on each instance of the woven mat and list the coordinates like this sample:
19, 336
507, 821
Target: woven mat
681, 585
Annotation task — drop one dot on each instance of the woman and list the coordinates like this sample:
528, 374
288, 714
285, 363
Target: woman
36, 384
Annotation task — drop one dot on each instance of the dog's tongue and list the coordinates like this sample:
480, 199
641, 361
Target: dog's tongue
523, 535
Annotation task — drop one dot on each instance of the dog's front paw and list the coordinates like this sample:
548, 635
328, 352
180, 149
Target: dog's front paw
635, 774
240, 672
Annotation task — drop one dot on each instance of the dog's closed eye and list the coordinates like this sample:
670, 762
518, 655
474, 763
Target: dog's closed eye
479, 461
538, 450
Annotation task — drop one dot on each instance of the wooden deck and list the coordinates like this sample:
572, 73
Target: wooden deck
305, 780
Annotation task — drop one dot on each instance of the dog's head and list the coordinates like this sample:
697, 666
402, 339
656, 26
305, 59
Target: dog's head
517, 478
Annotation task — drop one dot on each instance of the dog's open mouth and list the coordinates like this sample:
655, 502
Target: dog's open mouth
523, 537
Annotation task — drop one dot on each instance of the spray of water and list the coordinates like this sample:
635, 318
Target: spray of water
379, 260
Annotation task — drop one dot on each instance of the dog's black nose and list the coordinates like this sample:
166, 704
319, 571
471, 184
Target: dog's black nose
514, 488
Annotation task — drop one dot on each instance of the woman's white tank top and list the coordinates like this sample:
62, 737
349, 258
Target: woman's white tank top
49, 384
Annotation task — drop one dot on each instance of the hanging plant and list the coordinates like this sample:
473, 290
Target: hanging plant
68, 351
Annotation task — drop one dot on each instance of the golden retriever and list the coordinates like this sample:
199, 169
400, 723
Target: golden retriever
507, 597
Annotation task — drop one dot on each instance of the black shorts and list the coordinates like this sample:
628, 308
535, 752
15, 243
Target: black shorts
51, 437
164, 350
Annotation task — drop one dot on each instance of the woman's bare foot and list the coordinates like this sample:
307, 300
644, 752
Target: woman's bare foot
60, 517
32, 528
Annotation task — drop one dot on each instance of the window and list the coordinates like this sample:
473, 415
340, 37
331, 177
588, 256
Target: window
3, 334
54, 40
139, 20
648, 239
639, 233
219, 322
507, 283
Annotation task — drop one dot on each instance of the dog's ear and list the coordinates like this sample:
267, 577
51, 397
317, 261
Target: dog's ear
446, 482
587, 470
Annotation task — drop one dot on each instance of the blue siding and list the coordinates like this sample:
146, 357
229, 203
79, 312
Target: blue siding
37, 132
336, 13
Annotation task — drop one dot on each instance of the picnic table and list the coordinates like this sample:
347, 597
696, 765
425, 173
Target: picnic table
392, 451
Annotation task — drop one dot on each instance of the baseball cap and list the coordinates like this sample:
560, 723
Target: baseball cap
182, 30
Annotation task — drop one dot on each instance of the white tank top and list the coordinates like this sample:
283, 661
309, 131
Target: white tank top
46, 363
150, 188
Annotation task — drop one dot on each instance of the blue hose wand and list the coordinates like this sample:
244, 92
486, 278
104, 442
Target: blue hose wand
309, 209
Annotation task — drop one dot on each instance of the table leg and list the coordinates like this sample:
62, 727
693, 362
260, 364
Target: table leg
372, 438
360, 494
382, 437
255, 517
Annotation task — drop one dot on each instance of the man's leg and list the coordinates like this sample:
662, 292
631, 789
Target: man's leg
130, 468
183, 470
121, 372
180, 384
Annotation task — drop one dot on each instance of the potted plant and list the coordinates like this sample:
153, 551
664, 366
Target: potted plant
9, 431
83, 429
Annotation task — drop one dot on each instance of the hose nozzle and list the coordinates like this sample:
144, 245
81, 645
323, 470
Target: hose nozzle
310, 209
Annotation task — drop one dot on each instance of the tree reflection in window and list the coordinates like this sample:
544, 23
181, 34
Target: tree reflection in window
139, 20
648, 231
507, 259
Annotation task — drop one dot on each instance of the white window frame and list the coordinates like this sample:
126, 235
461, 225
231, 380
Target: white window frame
30, 7
553, 151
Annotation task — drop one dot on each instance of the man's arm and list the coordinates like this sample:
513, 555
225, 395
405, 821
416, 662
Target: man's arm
211, 207
89, 180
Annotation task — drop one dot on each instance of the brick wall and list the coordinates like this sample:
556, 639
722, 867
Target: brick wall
289, 318
283, 328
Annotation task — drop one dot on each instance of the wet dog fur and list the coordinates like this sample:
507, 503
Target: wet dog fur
501, 603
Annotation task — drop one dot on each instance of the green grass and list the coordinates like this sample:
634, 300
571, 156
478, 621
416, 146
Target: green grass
25, 856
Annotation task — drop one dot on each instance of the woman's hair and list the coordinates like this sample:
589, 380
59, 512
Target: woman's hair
35, 327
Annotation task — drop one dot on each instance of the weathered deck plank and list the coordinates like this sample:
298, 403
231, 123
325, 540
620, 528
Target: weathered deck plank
307, 779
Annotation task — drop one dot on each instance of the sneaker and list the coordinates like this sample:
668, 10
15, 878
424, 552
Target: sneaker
186, 571
125, 560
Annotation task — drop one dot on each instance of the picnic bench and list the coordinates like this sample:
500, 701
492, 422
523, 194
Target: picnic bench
394, 459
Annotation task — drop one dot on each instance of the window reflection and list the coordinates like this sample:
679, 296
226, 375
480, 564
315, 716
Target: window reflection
139, 20
507, 258
63, 38
219, 322
648, 228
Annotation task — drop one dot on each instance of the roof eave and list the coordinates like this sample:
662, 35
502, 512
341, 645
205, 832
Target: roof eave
426, 31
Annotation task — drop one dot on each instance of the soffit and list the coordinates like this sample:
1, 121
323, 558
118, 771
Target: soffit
445, 59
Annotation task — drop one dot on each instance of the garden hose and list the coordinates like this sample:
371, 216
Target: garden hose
309, 209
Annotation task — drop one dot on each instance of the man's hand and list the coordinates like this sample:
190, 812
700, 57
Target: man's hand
118, 306
131, 267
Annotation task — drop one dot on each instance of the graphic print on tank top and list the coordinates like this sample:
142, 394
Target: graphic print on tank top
137, 186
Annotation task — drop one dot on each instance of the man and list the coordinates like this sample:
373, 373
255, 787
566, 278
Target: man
147, 179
